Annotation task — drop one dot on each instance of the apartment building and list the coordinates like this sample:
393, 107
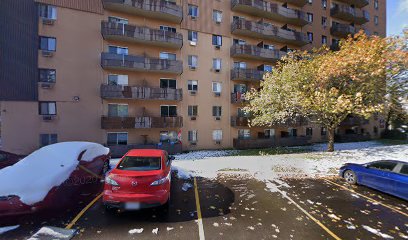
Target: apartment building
155, 73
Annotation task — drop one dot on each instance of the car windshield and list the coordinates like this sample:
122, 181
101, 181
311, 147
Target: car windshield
140, 163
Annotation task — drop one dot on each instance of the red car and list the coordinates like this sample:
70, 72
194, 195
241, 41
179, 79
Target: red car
8, 159
141, 179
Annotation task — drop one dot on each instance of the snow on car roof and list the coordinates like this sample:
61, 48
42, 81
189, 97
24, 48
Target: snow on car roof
34, 176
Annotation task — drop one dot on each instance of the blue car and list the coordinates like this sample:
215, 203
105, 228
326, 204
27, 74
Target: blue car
387, 176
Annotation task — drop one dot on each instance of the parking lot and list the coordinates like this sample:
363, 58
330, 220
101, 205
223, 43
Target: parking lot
239, 207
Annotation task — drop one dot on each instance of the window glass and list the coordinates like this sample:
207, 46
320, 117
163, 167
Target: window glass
192, 60
217, 40
192, 10
48, 43
167, 28
168, 83
404, 169
192, 110
217, 63
118, 110
217, 135
217, 16
383, 165
216, 87
48, 108
47, 139
309, 131
192, 85
47, 75
140, 163
118, 20
47, 11
169, 56
192, 36
192, 136
244, 133
217, 111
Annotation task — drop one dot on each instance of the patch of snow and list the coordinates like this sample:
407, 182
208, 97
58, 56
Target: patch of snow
45, 231
182, 173
333, 216
136, 230
155, 231
170, 228
194, 155
216, 224
377, 232
35, 175
8, 228
186, 186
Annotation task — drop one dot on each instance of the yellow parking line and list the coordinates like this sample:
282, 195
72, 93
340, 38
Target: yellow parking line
371, 199
72, 223
200, 219
90, 172
284, 194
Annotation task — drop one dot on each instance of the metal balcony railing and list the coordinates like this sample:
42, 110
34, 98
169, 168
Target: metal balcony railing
255, 52
140, 93
110, 122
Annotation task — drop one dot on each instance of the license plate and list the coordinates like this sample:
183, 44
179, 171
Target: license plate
132, 206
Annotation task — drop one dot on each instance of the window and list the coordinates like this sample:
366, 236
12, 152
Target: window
192, 136
217, 40
293, 132
216, 111
192, 85
309, 131
217, 16
47, 139
48, 12
118, 50
192, 61
383, 165
192, 111
266, 68
239, 41
168, 83
324, 21
240, 65
240, 88
310, 1
118, 110
47, 75
376, 4
217, 64
115, 80
193, 11
404, 169
117, 138
216, 87
324, 4
376, 20
269, 133
310, 17
167, 28
217, 135
118, 20
48, 43
310, 36
47, 108
168, 56
323, 131
168, 111
324, 39
192, 36
244, 134
268, 46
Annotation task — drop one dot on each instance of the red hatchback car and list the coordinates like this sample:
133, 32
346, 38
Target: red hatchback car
141, 179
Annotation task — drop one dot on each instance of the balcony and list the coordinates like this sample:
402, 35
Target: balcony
357, 3
350, 14
143, 35
342, 30
239, 121
140, 63
158, 9
269, 10
261, 30
256, 53
299, 3
140, 93
140, 122
243, 121
246, 74
118, 151
270, 142
238, 98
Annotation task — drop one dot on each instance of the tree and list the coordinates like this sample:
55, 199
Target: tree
326, 86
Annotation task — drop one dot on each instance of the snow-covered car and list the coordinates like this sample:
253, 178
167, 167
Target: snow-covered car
50, 177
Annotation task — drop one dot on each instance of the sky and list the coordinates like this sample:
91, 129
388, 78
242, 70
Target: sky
397, 16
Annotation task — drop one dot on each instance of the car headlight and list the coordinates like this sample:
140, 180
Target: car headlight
110, 181
161, 180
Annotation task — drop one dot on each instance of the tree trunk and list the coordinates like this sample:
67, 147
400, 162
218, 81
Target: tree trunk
330, 145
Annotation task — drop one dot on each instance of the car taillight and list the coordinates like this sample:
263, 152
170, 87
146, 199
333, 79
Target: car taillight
161, 180
110, 181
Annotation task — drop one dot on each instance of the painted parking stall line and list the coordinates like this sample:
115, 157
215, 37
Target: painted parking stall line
284, 194
199, 216
368, 198
82, 212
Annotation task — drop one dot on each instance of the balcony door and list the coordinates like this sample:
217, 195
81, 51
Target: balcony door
118, 110
168, 83
168, 56
168, 111
118, 50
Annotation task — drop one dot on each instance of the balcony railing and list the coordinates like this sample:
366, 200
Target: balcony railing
255, 52
238, 97
138, 34
357, 3
342, 30
270, 142
299, 3
246, 74
140, 93
108, 122
159, 9
242, 121
350, 14
269, 10
140, 63
261, 30
120, 150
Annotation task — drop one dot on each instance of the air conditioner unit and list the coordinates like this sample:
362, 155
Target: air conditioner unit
217, 47
193, 143
193, 17
193, 92
47, 85
47, 53
217, 70
193, 68
217, 94
218, 21
48, 21
193, 118
217, 142
48, 118
192, 43
217, 118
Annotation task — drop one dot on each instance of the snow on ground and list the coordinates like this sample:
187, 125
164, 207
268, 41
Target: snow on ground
8, 228
377, 232
205, 154
45, 168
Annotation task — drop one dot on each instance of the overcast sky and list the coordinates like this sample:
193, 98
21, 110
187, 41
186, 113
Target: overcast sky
397, 16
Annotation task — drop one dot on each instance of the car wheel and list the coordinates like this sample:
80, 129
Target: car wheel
350, 177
